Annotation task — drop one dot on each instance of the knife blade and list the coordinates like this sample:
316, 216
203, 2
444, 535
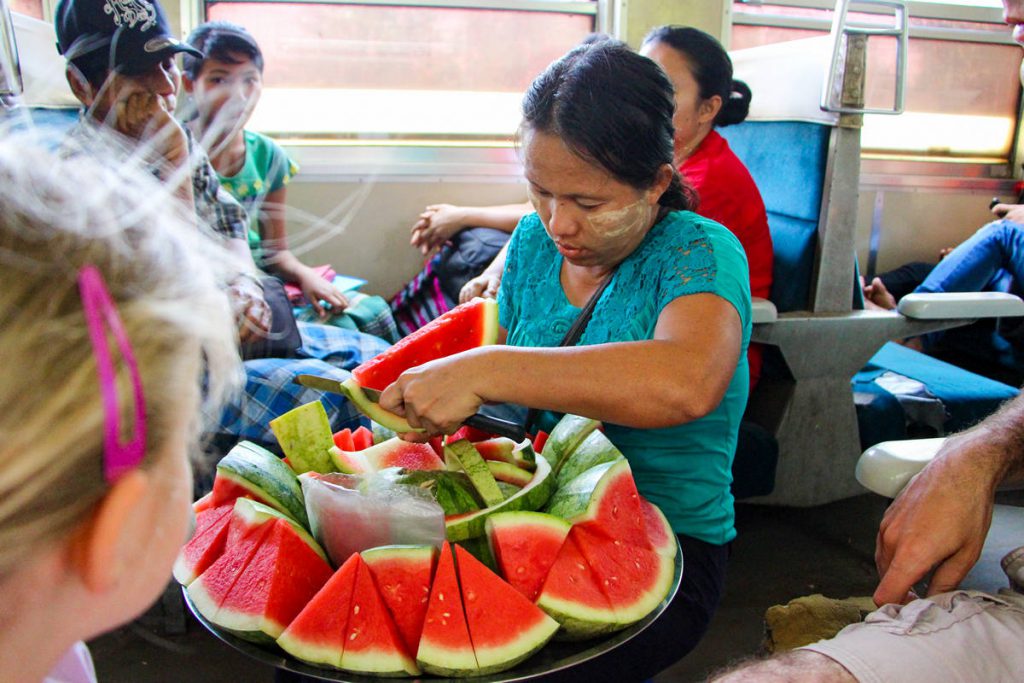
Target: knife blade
487, 423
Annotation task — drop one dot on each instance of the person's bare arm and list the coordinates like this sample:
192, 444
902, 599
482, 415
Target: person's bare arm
1011, 212
486, 284
679, 376
275, 239
940, 520
439, 222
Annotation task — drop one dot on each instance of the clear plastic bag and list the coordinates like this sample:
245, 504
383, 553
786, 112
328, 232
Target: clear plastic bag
349, 513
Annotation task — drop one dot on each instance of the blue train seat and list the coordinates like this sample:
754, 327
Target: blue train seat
806, 162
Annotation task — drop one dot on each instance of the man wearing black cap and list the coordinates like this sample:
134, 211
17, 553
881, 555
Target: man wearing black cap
121, 65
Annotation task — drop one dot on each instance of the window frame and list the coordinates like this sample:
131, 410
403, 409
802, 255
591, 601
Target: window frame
973, 174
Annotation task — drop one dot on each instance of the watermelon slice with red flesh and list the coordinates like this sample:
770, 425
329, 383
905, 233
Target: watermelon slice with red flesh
343, 440
391, 453
634, 579
467, 326
244, 538
504, 626
659, 531
572, 596
525, 545
226, 491
206, 544
282, 577
373, 644
473, 434
605, 495
362, 438
539, 441
445, 647
403, 574
317, 634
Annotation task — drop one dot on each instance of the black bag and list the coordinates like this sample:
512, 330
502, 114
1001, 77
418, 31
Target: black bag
283, 340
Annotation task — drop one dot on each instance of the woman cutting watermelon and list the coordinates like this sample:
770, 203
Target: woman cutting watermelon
662, 359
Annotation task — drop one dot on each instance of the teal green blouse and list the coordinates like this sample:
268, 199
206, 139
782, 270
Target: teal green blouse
687, 469
267, 168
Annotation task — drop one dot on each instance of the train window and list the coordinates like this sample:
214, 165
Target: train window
443, 71
33, 8
963, 85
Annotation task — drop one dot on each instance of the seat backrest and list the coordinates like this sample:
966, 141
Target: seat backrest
787, 160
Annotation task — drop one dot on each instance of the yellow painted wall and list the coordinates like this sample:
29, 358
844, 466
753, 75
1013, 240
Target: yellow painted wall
640, 16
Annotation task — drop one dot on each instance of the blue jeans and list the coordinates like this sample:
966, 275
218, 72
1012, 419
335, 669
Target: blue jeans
992, 259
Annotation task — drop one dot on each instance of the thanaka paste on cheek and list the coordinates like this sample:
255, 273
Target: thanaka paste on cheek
623, 222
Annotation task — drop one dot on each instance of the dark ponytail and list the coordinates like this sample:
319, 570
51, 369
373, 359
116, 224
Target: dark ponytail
711, 68
611, 107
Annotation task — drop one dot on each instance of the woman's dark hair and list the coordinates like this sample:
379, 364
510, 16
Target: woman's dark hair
224, 42
612, 107
711, 68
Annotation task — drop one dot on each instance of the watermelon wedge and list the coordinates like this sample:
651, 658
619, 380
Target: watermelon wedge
391, 453
246, 530
530, 497
403, 574
445, 647
593, 450
525, 545
373, 644
343, 440
510, 474
572, 596
539, 441
249, 471
281, 578
206, 544
503, 449
317, 634
504, 626
304, 434
659, 531
605, 495
569, 433
467, 326
634, 579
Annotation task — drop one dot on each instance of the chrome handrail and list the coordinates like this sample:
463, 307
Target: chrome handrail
831, 94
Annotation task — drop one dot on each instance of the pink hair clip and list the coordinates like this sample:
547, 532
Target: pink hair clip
100, 315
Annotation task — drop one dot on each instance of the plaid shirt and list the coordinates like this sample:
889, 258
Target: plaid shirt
215, 207
270, 390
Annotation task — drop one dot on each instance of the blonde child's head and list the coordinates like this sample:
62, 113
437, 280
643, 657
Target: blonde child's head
60, 518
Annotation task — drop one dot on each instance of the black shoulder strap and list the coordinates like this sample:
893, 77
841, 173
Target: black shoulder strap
573, 335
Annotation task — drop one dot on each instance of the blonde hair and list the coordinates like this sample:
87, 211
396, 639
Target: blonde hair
57, 215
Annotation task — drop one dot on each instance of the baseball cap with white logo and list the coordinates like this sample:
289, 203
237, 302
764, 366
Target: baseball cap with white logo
130, 35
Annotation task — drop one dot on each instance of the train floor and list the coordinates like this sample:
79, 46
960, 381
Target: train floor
780, 554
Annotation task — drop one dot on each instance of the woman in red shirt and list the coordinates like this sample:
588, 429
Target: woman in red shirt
708, 97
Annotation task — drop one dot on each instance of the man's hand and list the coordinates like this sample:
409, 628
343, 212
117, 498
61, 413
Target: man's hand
319, 291
1011, 212
143, 116
251, 310
940, 520
485, 285
436, 225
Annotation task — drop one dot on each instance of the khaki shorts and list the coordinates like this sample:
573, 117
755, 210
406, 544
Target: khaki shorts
958, 637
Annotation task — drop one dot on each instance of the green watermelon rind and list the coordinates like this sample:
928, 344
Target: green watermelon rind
379, 664
307, 652
577, 621
572, 502
593, 450
372, 409
266, 475
304, 434
509, 473
569, 433
530, 497
527, 643
446, 662
469, 459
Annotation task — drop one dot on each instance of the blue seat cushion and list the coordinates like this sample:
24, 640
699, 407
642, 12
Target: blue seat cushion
967, 397
787, 161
